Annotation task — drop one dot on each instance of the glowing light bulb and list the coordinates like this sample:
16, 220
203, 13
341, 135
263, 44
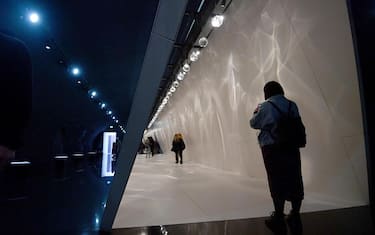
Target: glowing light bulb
217, 21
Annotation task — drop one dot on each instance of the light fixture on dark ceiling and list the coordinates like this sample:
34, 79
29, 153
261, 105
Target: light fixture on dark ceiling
93, 94
102, 105
217, 21
50, 44
223, 3
34, 18
75, 71
203, 42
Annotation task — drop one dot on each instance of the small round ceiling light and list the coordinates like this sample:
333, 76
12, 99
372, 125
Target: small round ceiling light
109, 112
75, 71
175, 84
186, 67
103, 105
203, 42
194, 55
47, 47
217, 21
180, 76
172, 89
34, 17
93, 94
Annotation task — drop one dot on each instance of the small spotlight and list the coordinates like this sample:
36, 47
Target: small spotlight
186, 67
79, 82
102, 105
48, 47
175, 84
116, 121
111, 127
203, 42
217, 21
194, 55
93, 94
113, 117
180, 76
34, 17
76, 71
109, 112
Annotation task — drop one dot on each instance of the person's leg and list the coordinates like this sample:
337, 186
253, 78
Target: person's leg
296, 206
279, 206
176, 157
276, 222
180, 156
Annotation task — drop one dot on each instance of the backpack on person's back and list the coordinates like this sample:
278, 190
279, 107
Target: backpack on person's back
289, 130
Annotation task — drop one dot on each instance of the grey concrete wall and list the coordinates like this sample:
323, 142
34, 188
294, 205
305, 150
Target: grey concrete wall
306, 46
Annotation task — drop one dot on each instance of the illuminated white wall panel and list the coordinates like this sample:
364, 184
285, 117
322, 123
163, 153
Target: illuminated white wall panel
108, 139
306, 46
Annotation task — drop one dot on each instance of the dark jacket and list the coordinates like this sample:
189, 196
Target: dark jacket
178, 145
15, 91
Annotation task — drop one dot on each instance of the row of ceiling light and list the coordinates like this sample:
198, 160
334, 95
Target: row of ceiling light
76, 72
216, 22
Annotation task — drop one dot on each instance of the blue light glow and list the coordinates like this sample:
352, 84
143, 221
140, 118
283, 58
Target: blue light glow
34, 18
109, 112
102, 105
76, 71
93, 94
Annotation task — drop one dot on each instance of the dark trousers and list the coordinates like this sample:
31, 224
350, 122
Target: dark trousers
283, 166
178, 154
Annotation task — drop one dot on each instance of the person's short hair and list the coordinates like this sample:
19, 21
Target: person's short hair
272, 88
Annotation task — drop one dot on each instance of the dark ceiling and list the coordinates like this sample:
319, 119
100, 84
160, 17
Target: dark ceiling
107, 39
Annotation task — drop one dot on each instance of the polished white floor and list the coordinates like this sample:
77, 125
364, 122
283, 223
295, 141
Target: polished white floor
160, 192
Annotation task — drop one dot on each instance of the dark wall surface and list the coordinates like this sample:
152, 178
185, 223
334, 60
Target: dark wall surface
362, 14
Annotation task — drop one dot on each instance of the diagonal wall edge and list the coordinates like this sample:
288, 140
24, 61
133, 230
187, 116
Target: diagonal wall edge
164, 32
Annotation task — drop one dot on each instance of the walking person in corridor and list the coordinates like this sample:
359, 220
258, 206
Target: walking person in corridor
178, 146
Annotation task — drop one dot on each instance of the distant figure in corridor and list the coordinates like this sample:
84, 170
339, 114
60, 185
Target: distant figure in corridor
282, 161
15, 94
178, 146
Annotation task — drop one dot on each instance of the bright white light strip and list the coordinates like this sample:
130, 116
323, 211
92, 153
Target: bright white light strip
191, 26
61, 157
20, 163
200, 6
77, 154
108, 139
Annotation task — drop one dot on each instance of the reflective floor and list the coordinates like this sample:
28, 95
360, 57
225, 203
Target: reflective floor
160, 191
46, 200
350, 221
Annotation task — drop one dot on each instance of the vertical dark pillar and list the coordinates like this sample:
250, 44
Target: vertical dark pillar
362, 17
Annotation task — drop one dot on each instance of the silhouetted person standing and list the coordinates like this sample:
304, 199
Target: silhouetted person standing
282, 162
151, 144
178, 145
15, 95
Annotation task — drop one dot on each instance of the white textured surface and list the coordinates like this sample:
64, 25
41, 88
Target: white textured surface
306, 46
161, 192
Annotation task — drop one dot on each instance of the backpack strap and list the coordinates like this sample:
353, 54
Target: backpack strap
279, 110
